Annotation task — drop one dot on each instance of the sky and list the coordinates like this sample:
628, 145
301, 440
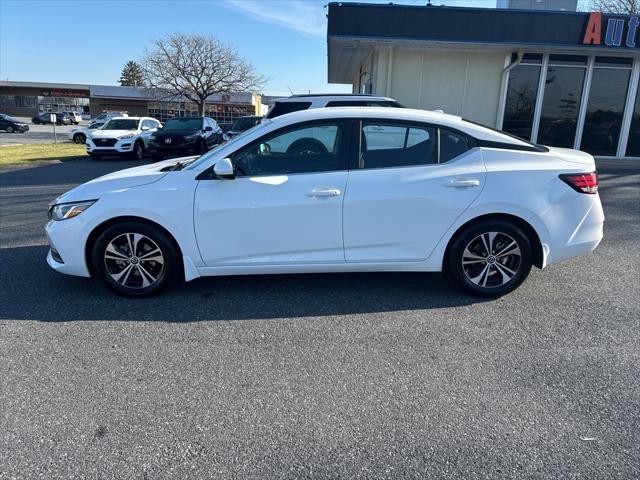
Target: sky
89, 41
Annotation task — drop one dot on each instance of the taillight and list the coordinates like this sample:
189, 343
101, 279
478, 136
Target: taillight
582, 182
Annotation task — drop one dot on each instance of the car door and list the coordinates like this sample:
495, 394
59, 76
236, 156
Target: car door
209, 132
409, 184
284, 206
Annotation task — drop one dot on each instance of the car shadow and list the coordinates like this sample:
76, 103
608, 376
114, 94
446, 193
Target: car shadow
32, 291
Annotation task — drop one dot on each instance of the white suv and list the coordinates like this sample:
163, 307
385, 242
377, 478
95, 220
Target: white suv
296, 103
122, 136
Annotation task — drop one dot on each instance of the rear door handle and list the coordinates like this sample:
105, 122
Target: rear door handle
323, 192
463, 183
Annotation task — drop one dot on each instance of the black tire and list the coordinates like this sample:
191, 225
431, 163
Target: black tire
95, 156
10, 129
110, 268
493, 273
138, 150
307, 146
202, 147
79, 138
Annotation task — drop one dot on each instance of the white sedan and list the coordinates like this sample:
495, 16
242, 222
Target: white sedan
336, 190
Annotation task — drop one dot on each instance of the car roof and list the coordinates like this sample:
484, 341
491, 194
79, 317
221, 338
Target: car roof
399, 114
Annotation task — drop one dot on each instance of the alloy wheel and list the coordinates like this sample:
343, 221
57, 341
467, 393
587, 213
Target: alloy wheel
491, 259
134, 260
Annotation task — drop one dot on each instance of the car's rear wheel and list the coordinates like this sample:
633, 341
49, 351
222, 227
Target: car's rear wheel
79, 138
138, 151
490, 259
134, 259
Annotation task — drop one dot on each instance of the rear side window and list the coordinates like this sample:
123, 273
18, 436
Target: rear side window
396, 145
453, 144
282, 108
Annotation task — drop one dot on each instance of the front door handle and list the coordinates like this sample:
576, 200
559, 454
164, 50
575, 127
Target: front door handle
323, 192
463, 183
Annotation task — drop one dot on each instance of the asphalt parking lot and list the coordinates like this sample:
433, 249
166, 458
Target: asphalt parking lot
318, 376
39, 134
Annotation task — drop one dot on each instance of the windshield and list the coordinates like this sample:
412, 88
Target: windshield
245, 123
217, 148
121, 124
183, 124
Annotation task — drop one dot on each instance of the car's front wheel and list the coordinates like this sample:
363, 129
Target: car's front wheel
134, 259
138, 151
10, 129
79, 138
490, 259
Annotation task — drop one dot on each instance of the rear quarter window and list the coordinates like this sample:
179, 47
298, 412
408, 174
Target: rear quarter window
453, 144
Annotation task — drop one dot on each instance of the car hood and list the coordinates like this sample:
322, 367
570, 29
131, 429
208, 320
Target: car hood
175, 133
121, 180
112, 133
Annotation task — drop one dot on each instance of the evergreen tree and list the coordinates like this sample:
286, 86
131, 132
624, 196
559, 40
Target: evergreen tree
132, 75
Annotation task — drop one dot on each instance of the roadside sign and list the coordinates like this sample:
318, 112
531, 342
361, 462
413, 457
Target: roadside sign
53, 118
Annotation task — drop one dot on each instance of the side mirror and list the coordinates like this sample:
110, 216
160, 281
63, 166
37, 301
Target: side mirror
208, 129
223, 169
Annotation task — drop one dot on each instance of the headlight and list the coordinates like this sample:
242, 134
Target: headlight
65, 211
124, 137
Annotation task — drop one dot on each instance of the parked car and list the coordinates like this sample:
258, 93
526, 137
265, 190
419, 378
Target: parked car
11, 125
240, 125
79, 135
122, 136
396, 190
45, 118
183, 135
75, 117
106, 116
295, 103
85, 116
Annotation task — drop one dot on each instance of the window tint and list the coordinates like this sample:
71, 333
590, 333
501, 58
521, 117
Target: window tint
282, 108
452, 144
394, 145
310, 148
363, 103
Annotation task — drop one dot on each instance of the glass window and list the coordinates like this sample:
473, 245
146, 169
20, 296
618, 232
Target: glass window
633, 145
393, 145
365, 103
452, 144
567, 60
521, 100
181, 123
560, 106
282, 108
305, 149
605, 107
121, 124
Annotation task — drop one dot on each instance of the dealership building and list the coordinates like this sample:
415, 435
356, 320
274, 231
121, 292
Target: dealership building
560, 78
27, 99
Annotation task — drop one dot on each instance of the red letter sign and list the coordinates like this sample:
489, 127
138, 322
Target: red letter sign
593, 33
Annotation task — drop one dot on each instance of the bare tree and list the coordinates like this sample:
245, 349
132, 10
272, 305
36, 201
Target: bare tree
620, 7
197, 66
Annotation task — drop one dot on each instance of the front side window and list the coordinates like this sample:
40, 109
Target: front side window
396, 145
304, 149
